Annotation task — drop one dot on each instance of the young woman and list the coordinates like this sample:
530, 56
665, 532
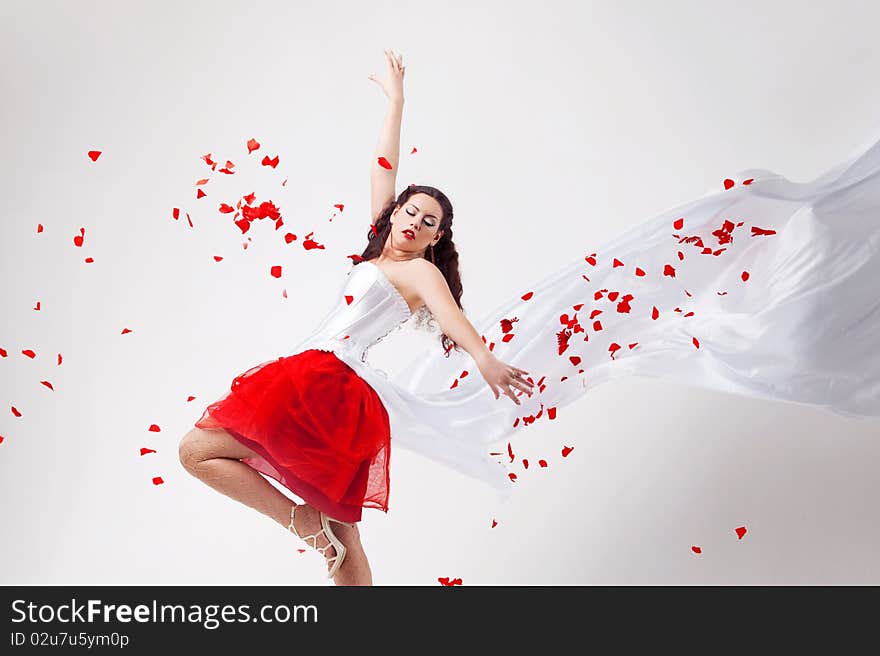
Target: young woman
763, 287
318, 420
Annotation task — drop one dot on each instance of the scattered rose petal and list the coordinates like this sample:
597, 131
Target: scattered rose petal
154, 428
696, 549
740, 532
157, 480
145, 451
566, 450
94, 155
444, 580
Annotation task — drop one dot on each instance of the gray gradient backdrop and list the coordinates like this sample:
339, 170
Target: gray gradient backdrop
553, 127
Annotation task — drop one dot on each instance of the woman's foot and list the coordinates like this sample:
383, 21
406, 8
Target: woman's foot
307, 522
355, 569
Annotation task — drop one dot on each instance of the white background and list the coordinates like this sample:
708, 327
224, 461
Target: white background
552, 128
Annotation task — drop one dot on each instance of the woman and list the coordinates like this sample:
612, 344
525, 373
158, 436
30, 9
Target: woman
318, 420
763, 287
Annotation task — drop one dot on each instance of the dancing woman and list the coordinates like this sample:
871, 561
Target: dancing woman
762, 287
320, 420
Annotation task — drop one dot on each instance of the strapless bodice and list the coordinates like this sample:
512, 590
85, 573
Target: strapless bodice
369, 307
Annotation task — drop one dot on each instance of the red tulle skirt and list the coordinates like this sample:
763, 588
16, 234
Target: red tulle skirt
319, 429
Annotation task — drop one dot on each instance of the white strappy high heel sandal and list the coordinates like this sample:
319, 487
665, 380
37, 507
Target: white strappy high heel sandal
331, 538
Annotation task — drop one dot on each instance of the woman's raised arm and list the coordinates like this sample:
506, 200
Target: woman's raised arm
383, 168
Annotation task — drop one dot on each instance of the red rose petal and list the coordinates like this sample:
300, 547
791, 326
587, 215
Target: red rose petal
566, 450
157, 480
740, 532
696, 549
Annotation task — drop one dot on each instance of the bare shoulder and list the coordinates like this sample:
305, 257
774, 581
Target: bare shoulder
426, 271
431, 286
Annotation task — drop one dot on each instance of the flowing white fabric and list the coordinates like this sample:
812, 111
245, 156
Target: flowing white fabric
766, 288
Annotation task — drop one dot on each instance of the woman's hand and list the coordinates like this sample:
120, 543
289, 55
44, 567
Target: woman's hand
392, 84
501, 376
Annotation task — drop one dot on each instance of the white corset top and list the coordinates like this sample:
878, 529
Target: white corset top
368, 309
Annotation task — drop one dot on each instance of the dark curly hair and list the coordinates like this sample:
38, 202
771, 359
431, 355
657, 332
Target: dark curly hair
445, 253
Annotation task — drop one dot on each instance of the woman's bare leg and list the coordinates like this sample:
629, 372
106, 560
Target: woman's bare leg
213, 456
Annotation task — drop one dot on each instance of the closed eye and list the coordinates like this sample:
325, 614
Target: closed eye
425, 221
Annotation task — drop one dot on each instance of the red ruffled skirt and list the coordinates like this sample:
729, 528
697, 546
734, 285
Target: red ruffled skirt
319, 429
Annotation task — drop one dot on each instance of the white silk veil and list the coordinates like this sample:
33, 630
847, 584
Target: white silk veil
765, 288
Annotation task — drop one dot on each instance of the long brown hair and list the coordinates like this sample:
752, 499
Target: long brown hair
445, 253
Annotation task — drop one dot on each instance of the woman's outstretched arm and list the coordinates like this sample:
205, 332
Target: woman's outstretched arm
383, 168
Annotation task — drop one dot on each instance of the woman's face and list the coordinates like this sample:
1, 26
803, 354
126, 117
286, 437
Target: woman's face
415, 226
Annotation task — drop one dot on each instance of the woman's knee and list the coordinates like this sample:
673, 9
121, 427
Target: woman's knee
200, 444
191, 449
